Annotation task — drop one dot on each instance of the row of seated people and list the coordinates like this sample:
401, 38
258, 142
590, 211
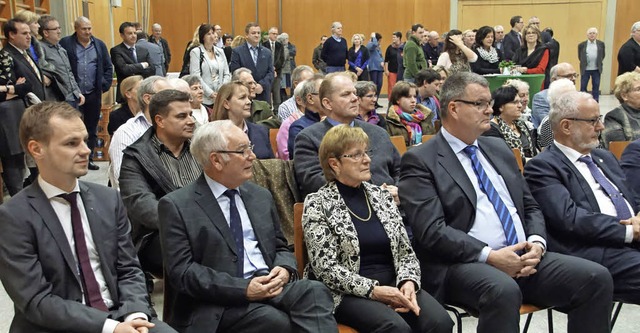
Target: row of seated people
215, 272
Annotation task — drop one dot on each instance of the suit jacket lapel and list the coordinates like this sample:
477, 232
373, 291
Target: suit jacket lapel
515, 190
588, 192
450, 163
252, 66
41, 204
20, 57
209, 205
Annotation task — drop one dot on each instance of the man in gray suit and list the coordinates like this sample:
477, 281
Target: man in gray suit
156, 55
66, 257
227, 263
590, 53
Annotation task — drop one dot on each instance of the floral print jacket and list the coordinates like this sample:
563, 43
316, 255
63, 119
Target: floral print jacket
333, 247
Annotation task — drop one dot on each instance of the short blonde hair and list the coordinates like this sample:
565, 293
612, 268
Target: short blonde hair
624, 83
353, 38
130, 83
226, 92
27, 16
337, 140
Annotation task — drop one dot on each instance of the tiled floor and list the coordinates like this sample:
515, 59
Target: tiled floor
628, 320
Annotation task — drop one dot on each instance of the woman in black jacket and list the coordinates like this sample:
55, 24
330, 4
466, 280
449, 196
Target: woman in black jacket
488, 56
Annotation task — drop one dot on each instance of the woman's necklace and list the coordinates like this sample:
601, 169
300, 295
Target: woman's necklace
366, 198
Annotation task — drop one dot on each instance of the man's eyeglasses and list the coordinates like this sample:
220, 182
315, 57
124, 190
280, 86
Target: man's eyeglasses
480, 105
593, 121
245, 152
359, 155
52, 29
570, 76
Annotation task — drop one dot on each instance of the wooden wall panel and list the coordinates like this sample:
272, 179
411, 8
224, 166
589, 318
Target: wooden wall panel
221, 15
244, 12
626, 15
178, 20
268, 14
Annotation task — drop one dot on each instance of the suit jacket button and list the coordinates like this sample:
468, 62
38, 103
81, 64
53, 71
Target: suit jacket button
217, 317
235, 259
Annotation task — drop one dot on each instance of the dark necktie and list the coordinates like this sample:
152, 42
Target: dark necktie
133, 54
92, 295
235, 224
616, 197
487, 187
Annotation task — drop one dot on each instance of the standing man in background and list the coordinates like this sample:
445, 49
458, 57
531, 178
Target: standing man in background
317, 61
513, 40
256, 58
335, 50
413, 56
629, 54
92, 69
129, 60
277, 60
590, 53
157, 38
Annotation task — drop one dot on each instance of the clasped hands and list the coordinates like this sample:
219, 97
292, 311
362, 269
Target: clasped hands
401, 300
267, 286
635, 222
507, 259
137, 325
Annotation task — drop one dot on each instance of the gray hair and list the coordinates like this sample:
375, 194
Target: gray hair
208, 138
238, 72
454, 88
297, 72
281, 37
553, 72
80, 20
592, 29
179, 84
156, 25
334, 25
635, 27
363, 87
518, 84
498, 26
147, 87
557, 88
192, 79
299, 93
309, 86
566, 106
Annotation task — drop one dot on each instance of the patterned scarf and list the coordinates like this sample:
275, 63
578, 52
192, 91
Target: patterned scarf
372, 119
412, 122
513, 139
490, 56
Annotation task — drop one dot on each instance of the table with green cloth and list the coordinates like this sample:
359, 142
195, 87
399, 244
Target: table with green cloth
534, 80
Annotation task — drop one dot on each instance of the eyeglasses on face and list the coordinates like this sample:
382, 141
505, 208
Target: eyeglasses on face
359, 155
593, 121
245, 152
570, 76
480, 105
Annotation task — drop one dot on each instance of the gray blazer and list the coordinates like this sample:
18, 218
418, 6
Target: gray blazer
39, 271
156, 56
200, 254
200, 64
582, 55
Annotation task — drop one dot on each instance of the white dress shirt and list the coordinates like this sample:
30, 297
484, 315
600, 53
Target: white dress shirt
487, 226
124, 136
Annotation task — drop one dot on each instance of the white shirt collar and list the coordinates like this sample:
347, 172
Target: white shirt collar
456, 144
572, 154
52, 191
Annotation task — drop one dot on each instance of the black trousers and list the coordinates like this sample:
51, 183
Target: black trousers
365, 315
579, 287
303, 306
91, 116
13, 173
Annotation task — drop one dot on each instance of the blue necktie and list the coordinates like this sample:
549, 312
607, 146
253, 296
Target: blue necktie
236, 229
616, 197
254, 55
487, 187
134, 56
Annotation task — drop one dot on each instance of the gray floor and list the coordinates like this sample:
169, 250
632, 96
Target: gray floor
628, 320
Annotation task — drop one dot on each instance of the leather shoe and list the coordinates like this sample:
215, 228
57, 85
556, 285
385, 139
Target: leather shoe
93, 166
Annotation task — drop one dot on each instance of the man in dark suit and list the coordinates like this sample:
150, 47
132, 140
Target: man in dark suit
582, 192
629, 53
18, 36
630, 164
128, 59
83, 48
277, 53
513, 40
257, 58
478, 232
157, 38
66, 257
590, 53
227, 262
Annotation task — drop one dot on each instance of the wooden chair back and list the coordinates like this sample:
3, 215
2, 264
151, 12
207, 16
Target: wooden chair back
398, 141
427, 137
518, 156
273, 132
617, 147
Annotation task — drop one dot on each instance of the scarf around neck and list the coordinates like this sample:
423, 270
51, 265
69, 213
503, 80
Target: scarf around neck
411, 122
